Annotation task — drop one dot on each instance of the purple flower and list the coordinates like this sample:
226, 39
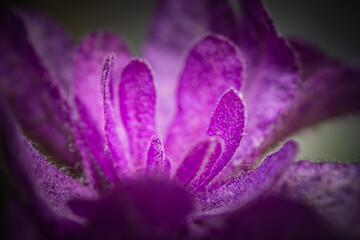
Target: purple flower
179, 145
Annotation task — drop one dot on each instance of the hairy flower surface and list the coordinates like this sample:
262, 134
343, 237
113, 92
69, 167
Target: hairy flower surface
187, 143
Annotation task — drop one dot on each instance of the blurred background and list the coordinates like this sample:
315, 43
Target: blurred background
332, 25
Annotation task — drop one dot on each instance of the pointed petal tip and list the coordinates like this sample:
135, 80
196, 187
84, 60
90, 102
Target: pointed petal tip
232, 93
155, 140
199, 160
216, 38
138, 64
227, 123
212, 66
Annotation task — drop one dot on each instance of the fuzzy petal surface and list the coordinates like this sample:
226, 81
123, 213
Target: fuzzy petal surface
137, 106
331, 88
53, 45
87, 80
112, 125
332, 188
175, 27
272, 78
157, 165
231, 194
35, 98
211, 68
49, 189
205, 153
87, 70
227, 123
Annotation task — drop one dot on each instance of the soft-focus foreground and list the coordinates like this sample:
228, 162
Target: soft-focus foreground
186, 143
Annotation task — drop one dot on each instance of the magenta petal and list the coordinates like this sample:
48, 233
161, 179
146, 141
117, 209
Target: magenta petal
332, 188
222, 197
330, 92
272, 77
49, 188
157, 165
89, 101
204, 153
34, 96
176, 25
311, 57
330, 89
167, 167
212, 67
87, 71
52, 44
137, 107
91, 145
227, 123
113, 134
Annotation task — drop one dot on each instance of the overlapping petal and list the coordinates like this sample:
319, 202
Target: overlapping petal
113, 133
48, 187
311, 57
272, 77
203, 154
212, 67
231, 194
34, 96
332, 188
333, 84
53, 45
87, 80
227, 123
176, 25
87, 71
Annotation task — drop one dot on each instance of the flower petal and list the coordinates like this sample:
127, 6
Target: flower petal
271, 81
205, 153
227, 123
49, 188
176, 25
97, 162
156, 164
332, 188
323, 74
142, 209
112, 126
89, 101
137, 108
329, 93
212, 67
311, 57
52, 44
225, 196
87, 71
35, 98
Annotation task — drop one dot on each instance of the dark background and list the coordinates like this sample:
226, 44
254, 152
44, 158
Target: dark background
332, 24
